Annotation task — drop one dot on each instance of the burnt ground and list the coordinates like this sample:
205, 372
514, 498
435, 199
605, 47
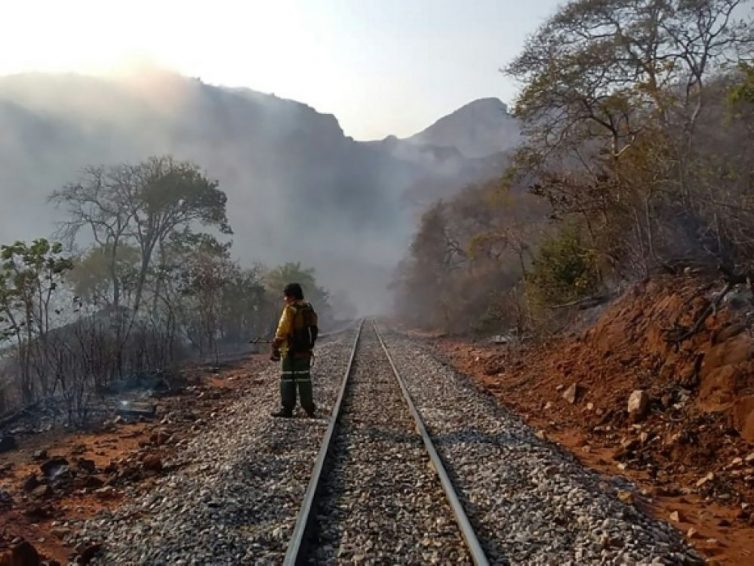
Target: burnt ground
58, 476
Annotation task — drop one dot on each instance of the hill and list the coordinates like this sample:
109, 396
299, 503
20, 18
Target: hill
299, 189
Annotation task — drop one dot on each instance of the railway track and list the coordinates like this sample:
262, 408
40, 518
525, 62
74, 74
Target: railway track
372, 492
379, 492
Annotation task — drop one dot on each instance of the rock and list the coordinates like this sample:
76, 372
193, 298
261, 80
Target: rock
7, 442
53, 465
548, 405
38, 512
159, 437
6, 501
736, 462
61, 532
692, 533
86, 551
86, 465
638, 404
93, 482
152, 462
573, 393
40, 455
41, 492
676, 517
626, 497
20, 554
749, 458
31, 482
106, 492
708, 478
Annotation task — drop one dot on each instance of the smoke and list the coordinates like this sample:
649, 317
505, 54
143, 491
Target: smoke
298, 189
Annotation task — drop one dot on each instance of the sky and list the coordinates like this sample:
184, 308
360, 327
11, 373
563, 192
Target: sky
380, 66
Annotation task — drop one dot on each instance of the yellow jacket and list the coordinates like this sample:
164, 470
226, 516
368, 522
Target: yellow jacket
285, 328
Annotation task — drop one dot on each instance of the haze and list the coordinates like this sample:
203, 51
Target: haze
388, 67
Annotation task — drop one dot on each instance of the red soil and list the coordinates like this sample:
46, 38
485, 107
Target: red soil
128, 457
701, 413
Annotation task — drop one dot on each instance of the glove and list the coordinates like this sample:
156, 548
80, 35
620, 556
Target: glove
275, 355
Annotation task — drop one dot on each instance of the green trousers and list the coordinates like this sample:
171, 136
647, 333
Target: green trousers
296, 372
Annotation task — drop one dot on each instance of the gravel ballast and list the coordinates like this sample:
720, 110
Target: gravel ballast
530, 502
381, 502
235, 488
238, 483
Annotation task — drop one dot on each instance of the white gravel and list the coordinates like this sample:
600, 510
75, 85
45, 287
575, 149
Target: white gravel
381, 500
235, 493
530, 502
236, 497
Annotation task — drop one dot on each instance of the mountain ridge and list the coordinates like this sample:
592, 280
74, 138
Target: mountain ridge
298, 188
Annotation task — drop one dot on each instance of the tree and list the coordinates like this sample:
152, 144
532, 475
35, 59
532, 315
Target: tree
98, 272
614, 91
597, 68
141, 206
247, 308
97, 204
166, 200
293, 272
30, 276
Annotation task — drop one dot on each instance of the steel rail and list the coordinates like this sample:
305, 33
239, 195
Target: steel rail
472, 542
297, 543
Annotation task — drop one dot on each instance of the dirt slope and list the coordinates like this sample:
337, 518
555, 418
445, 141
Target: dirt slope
692, 452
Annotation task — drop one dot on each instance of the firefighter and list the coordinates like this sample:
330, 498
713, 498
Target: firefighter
294, 343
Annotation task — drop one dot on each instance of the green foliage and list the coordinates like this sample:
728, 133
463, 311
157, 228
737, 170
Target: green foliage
148, 207
564, 270
92, 273
740, 100
30, 276
743, 91
293, 272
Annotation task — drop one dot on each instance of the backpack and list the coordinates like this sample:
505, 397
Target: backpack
305, 328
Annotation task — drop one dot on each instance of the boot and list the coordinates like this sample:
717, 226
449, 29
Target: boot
283, 413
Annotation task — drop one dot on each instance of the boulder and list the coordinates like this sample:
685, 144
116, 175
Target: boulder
38, 512
705, 480
152, 462
638, 404
53, 465
86, 465
573, 393
41, 492
20, 554
30, 483
159, 437
106, 492
6, 501
87, 551
40, 455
